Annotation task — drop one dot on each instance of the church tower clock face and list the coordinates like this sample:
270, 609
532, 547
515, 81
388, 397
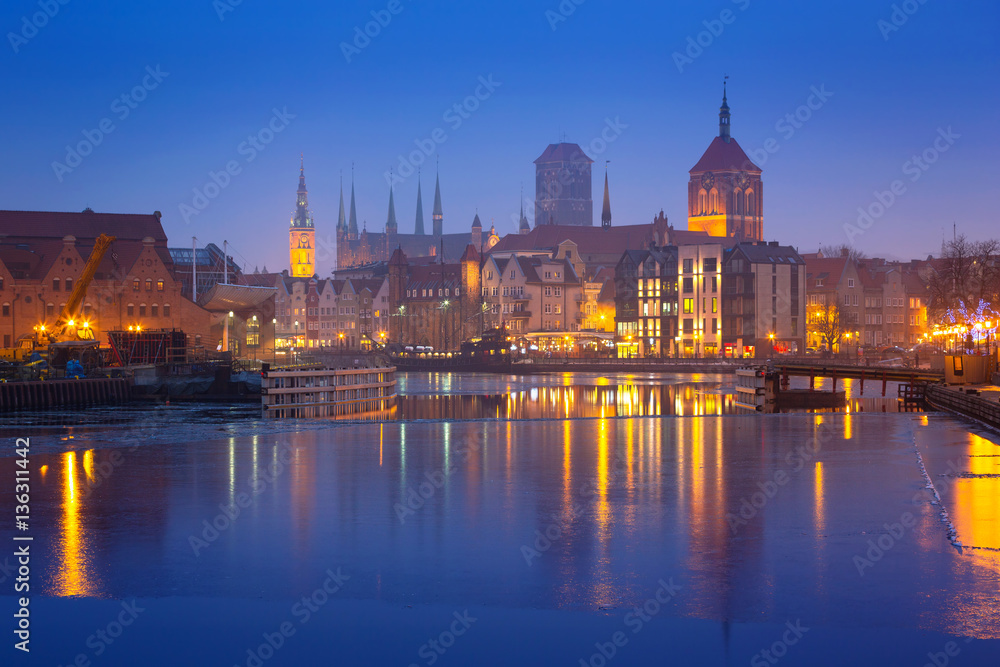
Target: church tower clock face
742, 179
708, 180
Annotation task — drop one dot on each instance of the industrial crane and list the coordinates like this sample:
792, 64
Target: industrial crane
69, 326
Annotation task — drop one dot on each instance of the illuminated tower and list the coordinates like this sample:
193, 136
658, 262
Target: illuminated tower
725, 191
301, 233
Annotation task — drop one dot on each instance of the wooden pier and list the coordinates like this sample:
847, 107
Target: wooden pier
327, 392
50, 394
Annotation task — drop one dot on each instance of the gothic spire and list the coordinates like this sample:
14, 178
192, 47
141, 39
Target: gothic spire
352, 228
437, 217
302, 217
418, 227
390, 223
523, 226
724, 114
606, 212
342, 219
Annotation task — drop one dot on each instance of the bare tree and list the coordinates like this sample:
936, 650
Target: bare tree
825, 321
843, 250
966, 276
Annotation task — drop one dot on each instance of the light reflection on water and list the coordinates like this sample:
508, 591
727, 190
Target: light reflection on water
634, 499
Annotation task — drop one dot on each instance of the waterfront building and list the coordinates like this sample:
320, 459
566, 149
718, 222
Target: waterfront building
646, 315
42, 257
435, 304
880, 302
532, 292
763, 300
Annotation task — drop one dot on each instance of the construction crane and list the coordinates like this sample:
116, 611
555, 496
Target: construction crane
70, 325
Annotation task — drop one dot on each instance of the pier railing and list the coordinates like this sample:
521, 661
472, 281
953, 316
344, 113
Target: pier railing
327, 392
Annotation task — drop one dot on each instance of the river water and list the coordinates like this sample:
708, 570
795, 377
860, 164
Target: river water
497, 520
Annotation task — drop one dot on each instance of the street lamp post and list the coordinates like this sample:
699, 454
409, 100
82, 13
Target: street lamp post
295, 344
274, 341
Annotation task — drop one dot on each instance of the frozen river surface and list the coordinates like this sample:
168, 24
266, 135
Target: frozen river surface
689, 539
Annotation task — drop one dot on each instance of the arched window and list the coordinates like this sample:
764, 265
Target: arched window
738, 196
166, 310
149, 284
751, 203
713, 201
702, 202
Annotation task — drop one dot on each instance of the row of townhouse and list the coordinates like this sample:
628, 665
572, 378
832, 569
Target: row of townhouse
710, 299
880, 303
316, 313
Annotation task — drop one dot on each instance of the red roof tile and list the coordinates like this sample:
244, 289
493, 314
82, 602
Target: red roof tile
724, 155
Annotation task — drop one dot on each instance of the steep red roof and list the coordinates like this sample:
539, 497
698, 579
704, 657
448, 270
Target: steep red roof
831, 269
724, 155
589, 240
563, 153
84, 226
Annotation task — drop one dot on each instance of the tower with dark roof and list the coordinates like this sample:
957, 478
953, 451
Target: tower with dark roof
301, 232
725, 191
563, 186
477, 232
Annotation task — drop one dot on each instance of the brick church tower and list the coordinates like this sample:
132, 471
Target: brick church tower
725, 191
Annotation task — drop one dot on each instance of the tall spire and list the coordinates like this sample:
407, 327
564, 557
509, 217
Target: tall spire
390, 223
606, 212
352, 228
418, 227
341, 219
724, 114
437, 217
523, 226
302, 218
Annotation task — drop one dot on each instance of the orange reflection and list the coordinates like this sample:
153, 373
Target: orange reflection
974, 509
819, 509
73, 577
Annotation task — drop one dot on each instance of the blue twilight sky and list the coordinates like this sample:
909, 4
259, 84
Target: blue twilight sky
925, 76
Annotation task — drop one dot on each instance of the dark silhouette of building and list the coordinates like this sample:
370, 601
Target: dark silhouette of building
563, 187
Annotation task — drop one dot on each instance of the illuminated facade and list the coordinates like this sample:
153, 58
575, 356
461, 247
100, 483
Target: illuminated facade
725, 191
302, 233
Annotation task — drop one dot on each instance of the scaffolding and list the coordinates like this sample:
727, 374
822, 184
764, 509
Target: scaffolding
133, 348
